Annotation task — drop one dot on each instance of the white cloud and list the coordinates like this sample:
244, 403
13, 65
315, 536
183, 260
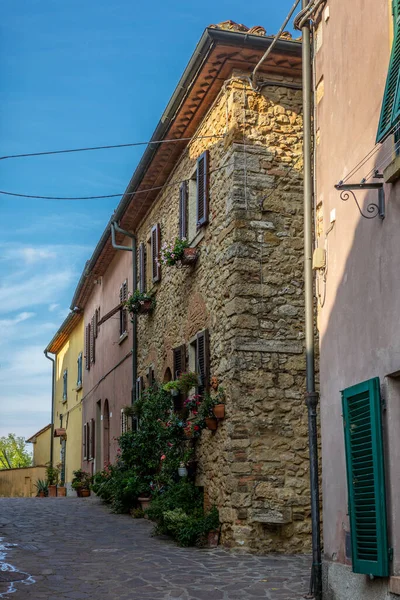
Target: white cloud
53, 307
32, 255
25, 292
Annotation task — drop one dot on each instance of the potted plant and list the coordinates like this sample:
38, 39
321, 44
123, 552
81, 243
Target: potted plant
183, 465
41, 486
52, 475
140, 302
182, 470
61, 491
187, 381
219, 403
177, 253
81, 483
211, 423
172, 387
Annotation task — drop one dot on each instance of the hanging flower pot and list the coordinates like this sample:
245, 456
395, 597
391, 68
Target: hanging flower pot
219, 411
189, 256
211, 423
145, 306
182, 471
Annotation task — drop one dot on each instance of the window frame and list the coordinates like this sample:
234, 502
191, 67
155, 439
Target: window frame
79, 375
65, 386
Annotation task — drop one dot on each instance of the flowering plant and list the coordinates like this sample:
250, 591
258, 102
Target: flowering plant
192, 403
188, 380
172, 252
137, 300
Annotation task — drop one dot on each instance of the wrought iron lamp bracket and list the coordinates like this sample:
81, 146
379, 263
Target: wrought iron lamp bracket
373, 209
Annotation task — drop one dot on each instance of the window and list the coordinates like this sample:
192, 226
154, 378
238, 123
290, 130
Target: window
91, 443
179, 367
139, 387
65, 386
199, 360
123, 296
390, 111
84, 441
155, 253
193, 199
366, 478
142, 268
79, 371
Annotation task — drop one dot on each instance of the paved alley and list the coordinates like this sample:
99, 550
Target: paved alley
67, 548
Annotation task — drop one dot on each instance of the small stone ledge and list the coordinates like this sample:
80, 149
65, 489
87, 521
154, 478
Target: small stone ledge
279, 346
272, 516
394, 585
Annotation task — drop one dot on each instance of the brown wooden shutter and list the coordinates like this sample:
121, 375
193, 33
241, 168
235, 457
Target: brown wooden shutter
87, 347
142, 268
150, 377
96, 322
202, 189
84, 440
179, 361
155, 253
92, 342
203, 361
123, 296
92, 439
183, 197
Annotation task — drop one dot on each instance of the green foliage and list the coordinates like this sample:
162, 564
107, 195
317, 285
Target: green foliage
187, 381
41, 486
171, 385
13, 453
52, 475
172, 252
81, 480
136, 300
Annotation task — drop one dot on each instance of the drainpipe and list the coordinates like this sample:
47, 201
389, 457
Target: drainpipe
115, 227
311, 394
53, 383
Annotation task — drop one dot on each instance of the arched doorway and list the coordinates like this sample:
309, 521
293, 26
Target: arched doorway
106, 433
167, 375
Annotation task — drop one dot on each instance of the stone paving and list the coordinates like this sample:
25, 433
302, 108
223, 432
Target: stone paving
73, 548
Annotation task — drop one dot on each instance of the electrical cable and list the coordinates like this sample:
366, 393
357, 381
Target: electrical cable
152, 189
383, 162
90, 148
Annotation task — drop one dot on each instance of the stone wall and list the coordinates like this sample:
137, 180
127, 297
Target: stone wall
247, 290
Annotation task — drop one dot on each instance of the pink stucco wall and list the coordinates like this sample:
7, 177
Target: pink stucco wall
117, 383
358, 322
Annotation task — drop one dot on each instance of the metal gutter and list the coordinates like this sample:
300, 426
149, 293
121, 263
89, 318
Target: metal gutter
210, 37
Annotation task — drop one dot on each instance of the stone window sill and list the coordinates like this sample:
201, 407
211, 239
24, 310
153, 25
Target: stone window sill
123, 337
78, 387
392, 171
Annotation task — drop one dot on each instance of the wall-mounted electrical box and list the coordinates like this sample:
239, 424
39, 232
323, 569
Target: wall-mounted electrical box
319, 258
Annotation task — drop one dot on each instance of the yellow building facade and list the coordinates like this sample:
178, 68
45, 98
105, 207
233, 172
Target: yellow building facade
41, 447
67, 346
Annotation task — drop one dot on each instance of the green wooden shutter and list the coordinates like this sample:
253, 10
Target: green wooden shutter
390, 111
366, 478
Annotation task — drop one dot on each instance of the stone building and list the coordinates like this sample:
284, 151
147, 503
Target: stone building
234, 190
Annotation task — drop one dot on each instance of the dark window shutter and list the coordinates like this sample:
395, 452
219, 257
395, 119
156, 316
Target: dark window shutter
96, 322
390, 110
179, 361
150, 377
202, 189
92, 342
183, 197
92, 439
87, 347
142, 268
155, 253
84, 440
203, 361
123, 296
79, 376
366, 478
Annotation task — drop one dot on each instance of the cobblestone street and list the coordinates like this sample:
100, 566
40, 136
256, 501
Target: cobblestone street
74, 548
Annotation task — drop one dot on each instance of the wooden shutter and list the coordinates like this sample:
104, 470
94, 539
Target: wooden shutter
366, 478
150, 377
183, 198
202, 189
96, 322
87, 347
179, 361
142, 268
139, 387
92, 342
123, 296
92, 439
203, 361
155, 253
390, 110
84, 440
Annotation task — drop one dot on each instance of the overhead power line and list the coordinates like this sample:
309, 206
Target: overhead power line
103, 196
108, 147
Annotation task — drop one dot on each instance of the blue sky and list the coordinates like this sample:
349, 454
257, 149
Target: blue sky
75, 74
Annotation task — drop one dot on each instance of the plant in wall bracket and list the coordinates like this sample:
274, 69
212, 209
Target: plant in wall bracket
140, 302
177, 253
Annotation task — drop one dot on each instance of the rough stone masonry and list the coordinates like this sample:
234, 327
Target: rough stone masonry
246, 289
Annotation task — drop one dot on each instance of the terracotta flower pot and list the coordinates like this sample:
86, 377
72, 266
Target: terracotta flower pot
85, 493
41, 494
189, 256
219, 411
211, 423
212, 539
144, 503
52, 491
146, 307
61, 491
